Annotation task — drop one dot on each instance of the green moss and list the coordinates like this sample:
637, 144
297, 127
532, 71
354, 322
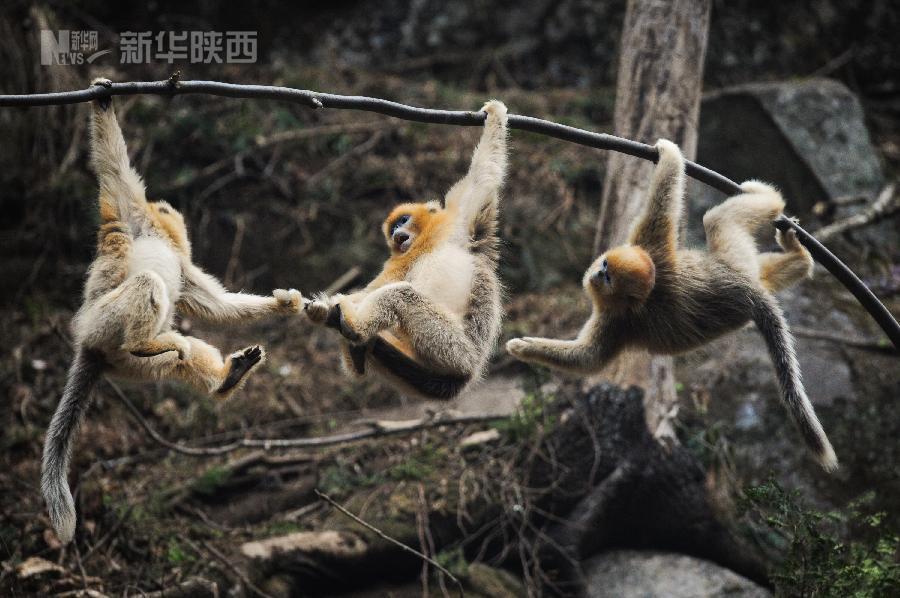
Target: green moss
177, 555
341, 478
454, 561
418, 466
211, 480
531, 417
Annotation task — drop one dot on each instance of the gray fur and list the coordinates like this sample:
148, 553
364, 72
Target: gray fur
695, 296
86, 369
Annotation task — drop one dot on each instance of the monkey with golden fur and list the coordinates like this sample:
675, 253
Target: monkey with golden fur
429, 321
649, 294
141, 275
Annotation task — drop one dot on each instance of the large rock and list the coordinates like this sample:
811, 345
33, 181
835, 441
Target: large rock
808, 137
636, 574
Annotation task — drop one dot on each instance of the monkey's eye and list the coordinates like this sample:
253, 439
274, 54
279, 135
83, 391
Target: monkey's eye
399, 222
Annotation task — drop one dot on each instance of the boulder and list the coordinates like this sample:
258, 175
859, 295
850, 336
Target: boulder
807, 137
637, 574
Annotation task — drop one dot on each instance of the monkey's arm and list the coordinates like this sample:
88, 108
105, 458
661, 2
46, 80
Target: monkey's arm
587, 354
122, 193
480, 187
205, 298
657, 228
574, 356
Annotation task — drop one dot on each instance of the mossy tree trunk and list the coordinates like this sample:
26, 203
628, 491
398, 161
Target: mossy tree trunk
658, 92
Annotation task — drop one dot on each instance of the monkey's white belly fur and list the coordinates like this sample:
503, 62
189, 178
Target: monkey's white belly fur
445, 277
155, 255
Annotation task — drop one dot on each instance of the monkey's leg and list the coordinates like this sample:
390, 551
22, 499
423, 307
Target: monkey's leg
141, 303
435, 337
778, 271
110, 268
204, 370
122, 194
576, 356
731, 226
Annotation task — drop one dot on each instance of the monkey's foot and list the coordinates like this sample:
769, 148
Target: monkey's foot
787, 239
164, 343
346, 326
754, 186
105, 101
668, 150
240, 364
318, 308
495, 108
289, 301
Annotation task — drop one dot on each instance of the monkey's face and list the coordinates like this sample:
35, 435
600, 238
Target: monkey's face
171, 223
623, 276
407, 223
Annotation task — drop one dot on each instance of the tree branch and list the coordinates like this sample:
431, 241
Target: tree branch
384, 536
885, 205
314, 99
376, 429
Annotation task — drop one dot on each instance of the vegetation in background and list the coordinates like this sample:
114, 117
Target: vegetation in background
817, 558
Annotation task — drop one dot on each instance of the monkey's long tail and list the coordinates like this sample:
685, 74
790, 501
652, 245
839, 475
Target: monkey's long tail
770, 320
83, 375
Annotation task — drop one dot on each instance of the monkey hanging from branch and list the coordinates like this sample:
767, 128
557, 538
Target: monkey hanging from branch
649, 294
141, 276
428, 323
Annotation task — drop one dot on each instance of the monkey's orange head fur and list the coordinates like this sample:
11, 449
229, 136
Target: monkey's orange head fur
412, 230
622, 277
170, 223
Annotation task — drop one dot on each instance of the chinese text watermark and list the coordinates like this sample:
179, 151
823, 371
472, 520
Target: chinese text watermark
66, 47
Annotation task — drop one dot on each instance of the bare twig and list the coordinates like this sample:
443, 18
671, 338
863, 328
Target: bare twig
108, 534
239, 225
888, 202
362, 148
880, 346
189, 588
386, 537
344, 280
277, 139
378, 429
233, 568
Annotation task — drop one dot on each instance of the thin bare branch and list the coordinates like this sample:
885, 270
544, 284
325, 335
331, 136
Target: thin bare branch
888, 203
384, 536
376, 429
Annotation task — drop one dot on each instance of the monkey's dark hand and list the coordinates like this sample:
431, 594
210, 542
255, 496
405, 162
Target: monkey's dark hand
319, 310
105, 101
345, 326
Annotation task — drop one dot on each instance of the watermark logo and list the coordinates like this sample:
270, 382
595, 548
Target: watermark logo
69, 47
143, 47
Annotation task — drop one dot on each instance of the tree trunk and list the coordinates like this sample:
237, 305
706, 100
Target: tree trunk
657, 96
